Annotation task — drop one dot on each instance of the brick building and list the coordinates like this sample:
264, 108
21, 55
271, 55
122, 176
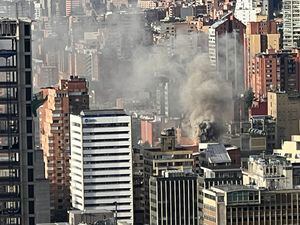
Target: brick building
70, 97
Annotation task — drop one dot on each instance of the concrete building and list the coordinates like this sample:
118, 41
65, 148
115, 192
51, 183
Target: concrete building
225, 205
291, 151
245, 11
259, 37
214, 164
291, 25
226, 37
254, 10
268, 198
101, 162
77, 217
268, 171
138, 186
73, 7
174, 198
19, 196
275, 70
71, 97
166, 157
285, 109
262, 133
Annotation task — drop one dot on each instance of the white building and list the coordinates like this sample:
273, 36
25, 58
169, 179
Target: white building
101, 162
291, 23
245, 11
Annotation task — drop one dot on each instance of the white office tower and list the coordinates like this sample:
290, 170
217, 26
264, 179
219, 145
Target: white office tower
101, 162
291, 23
245, 11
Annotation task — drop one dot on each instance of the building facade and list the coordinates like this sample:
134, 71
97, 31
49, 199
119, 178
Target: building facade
259, 37
291, 25
166, 157
226, 37
285, 109
70, 97
275, 70
174, 199
225, 205
101, 162
19, 197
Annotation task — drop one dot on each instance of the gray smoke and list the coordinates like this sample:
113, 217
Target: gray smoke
205, 96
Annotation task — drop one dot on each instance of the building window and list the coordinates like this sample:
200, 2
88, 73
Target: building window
28, 94
31, 221
27, 30
30, 191
28, 110
27, 45
27, 61
28, 78
31, 207
29, 126
29, 142
30, 175
30, 159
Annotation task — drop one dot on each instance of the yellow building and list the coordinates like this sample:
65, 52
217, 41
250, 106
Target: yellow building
285, 110
290, 149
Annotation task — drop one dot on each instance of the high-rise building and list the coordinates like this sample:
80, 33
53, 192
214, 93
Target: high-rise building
275, 70
166, 157
285, 109
259, 37
138, 186
101, 162
254, 10
226, 38
245, 11
71, 97
174, 198
291, 25
18, 195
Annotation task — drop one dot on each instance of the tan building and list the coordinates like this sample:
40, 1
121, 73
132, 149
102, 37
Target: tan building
71, 96
285, 110
147, 4
259, 37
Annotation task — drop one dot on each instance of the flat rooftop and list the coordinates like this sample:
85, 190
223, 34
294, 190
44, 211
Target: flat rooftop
103, 112
230, 188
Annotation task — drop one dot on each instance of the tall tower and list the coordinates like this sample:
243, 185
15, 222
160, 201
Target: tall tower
291, 25
71, 97
17, 178
101, 162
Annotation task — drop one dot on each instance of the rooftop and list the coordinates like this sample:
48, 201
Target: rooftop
217, 154
231, 188
103, 113
268, 160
